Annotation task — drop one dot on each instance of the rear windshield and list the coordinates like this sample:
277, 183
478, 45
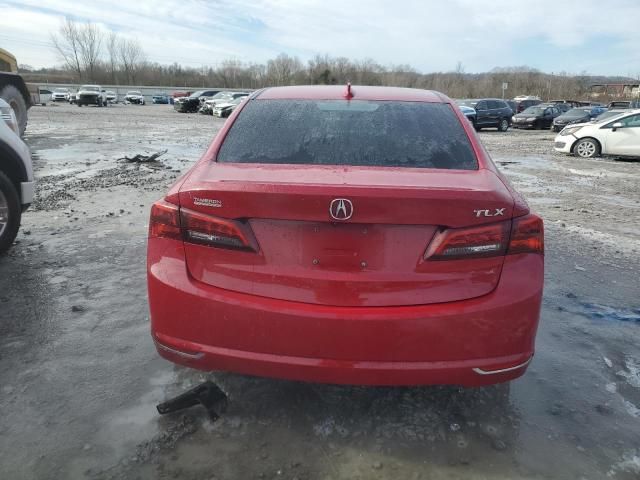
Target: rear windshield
578, 112
342, 132
534, 110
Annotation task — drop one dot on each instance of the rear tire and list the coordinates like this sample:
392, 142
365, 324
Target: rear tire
503, 126
14, 98
10, 213
587, 148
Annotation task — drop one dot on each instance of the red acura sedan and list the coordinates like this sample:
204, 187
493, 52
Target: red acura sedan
351, 235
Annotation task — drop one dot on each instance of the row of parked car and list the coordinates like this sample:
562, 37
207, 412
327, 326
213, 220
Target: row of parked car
94, 95
585, 129
210, 102
614, 132
532, 113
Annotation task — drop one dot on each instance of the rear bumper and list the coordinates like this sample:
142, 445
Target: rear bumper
27, 192
474, 342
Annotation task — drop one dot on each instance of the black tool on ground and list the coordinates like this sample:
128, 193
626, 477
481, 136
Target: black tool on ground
208, 394
141, 158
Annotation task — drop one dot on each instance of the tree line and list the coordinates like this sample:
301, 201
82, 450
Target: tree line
88, 54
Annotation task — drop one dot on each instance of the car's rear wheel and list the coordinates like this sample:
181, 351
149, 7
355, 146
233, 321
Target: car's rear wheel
587, 148
10, 212
503, 126
16, 101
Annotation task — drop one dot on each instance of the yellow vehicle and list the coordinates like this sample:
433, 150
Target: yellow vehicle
13, 90
8, 62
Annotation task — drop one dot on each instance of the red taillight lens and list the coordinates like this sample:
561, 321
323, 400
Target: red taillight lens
527, 235
216, 232
165, 220
522, 235
170, 221
474, 242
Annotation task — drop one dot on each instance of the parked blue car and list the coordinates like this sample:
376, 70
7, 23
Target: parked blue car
469, 112
160, 98
576, 115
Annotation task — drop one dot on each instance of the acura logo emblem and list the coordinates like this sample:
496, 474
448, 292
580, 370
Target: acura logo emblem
341, 209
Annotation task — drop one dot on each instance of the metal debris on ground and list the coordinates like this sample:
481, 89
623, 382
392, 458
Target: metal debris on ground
140, 158
208, 394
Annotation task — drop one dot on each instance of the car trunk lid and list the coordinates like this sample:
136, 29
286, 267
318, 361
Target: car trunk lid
373, 258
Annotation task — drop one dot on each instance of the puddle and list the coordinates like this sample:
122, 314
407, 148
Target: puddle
136, 423
599, 173
525, 161
631, 373
81, 160
604, 312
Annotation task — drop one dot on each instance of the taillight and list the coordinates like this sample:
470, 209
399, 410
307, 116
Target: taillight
474, 242
521, 235
165, 220
216, 232
527, 235
170, 221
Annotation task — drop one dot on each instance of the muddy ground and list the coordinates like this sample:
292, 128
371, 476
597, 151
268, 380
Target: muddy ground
79, 376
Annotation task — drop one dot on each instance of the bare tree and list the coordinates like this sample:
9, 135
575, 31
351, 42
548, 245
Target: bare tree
229, 73
67, 44
112, 51
78, 45
320, 70
131, 58
90, 37
282, 69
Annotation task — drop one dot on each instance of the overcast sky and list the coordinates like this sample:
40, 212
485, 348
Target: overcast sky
553, 36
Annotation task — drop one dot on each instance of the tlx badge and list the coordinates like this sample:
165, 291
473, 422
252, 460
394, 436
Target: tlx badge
498, 212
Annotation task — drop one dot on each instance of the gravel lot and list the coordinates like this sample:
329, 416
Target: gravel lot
80, 379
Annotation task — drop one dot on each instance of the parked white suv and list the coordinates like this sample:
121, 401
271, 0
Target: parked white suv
618, 135
16, 177
134, 97
91, 95
60, 95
